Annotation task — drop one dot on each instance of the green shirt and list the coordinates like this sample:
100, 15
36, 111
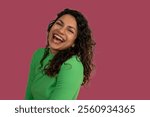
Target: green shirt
64, 86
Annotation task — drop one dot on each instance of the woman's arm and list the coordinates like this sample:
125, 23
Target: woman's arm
28, 95
69, 80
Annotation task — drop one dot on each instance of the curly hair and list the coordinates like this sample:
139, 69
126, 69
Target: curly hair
83, 48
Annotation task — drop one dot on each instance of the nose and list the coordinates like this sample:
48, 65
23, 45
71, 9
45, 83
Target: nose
62, 30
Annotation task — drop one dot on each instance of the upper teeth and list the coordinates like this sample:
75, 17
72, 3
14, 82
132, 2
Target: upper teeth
59, 37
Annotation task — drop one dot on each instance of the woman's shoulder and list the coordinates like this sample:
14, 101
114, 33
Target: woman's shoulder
74, 62
39, 51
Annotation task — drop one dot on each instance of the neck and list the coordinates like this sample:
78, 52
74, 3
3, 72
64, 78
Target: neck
54, 52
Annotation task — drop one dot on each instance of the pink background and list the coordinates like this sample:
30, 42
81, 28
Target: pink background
122, 55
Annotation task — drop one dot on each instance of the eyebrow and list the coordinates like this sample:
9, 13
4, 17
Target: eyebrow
68, 26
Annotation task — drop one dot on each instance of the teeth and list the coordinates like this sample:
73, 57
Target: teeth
58, 37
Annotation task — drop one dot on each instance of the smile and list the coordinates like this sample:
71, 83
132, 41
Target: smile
58, 38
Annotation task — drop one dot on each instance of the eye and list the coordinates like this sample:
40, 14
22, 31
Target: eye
59, 23
71, 31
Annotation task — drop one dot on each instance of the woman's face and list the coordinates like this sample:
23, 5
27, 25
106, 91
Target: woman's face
63, 33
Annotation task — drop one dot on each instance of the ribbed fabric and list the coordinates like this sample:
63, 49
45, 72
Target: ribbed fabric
64, 86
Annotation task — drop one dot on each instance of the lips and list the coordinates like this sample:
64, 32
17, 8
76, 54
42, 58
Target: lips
58, 38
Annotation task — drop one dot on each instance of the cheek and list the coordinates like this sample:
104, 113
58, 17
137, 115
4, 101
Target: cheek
71, 41
51, 30
72, 38
49, 35
54, 27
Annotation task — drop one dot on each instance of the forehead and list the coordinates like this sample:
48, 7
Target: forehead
68, 19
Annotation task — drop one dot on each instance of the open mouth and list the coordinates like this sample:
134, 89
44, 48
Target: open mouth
57, 38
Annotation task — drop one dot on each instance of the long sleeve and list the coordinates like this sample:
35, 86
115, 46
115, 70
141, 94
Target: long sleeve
28, 95
69, 80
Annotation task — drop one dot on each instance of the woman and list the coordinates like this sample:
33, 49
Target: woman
58, 71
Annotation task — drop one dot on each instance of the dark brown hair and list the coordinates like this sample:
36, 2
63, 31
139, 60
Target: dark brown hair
83, 48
